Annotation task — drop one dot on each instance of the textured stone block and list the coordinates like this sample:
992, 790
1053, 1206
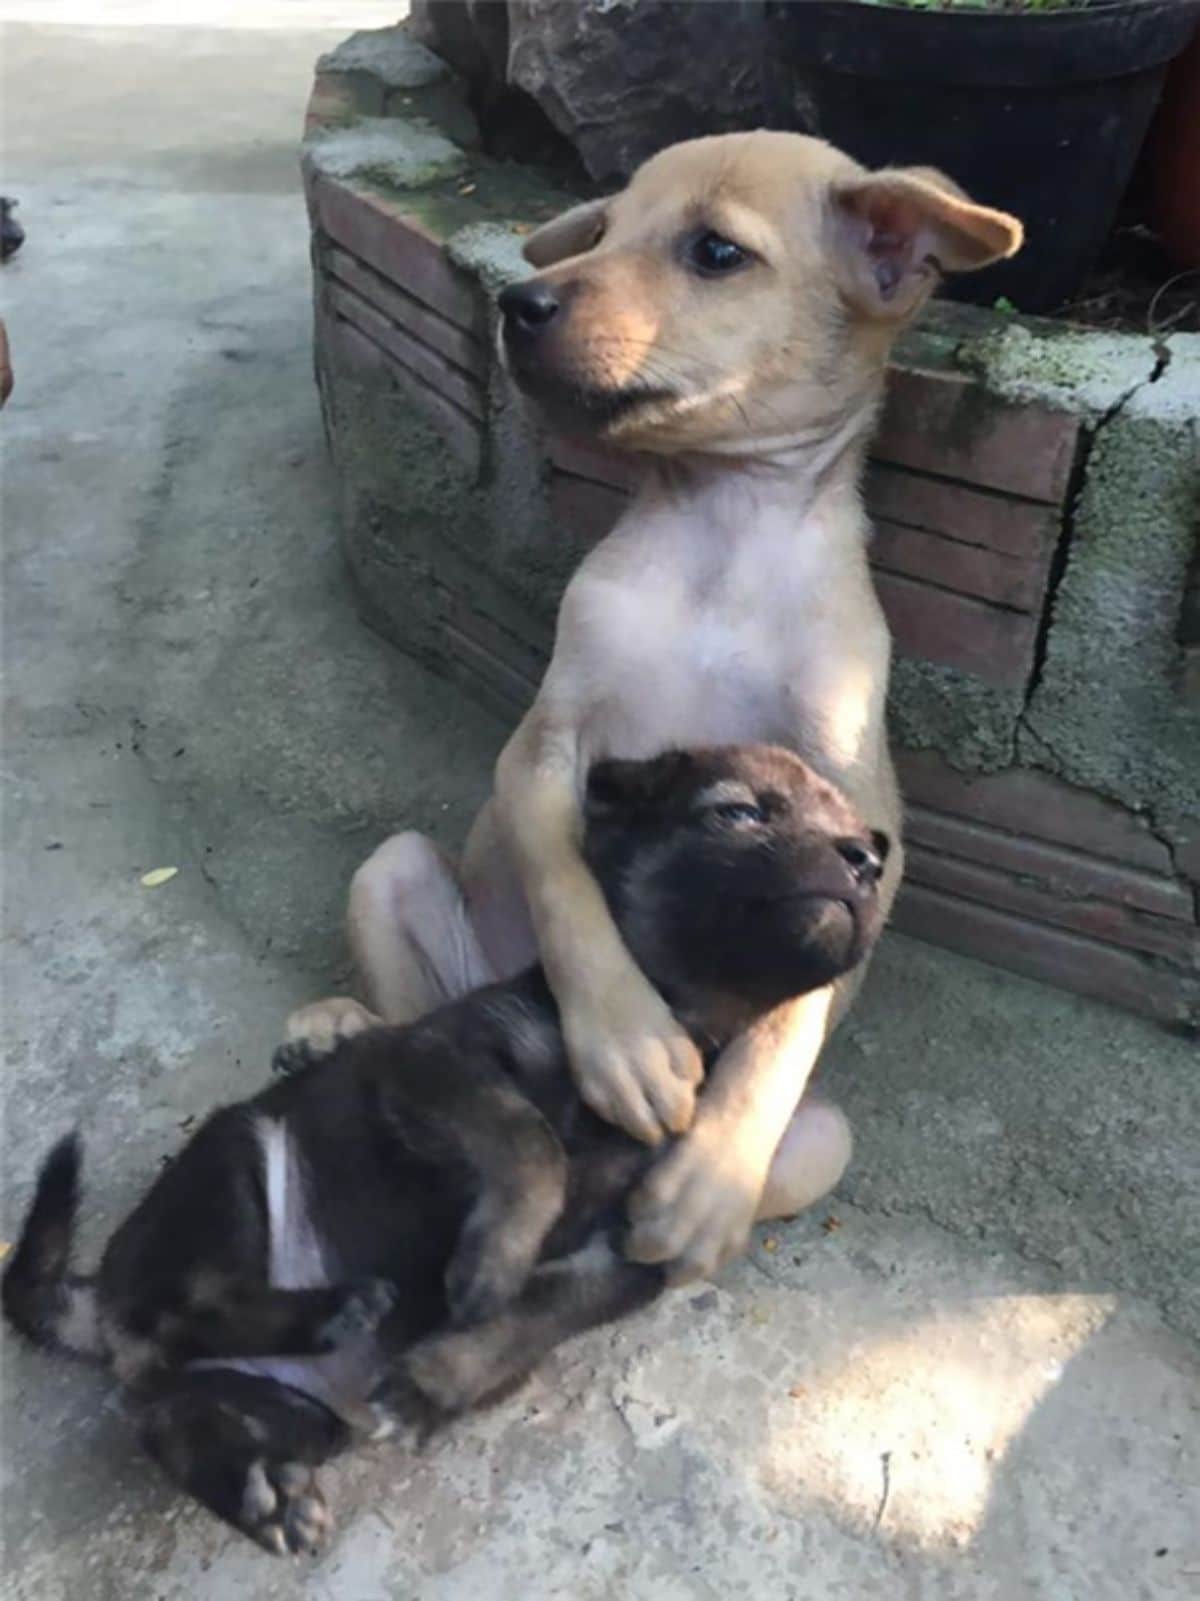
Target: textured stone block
399, 247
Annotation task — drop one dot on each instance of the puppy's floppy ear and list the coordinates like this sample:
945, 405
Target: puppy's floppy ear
896, 230
571, 234
618, 789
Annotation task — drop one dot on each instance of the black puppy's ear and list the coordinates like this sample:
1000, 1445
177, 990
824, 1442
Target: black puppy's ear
618, 789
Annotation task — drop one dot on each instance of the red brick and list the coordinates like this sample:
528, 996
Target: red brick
345, 343
521, 658
1032, 803
447, 338
1101, 920
399, 247
420, 360
937, 625
968, 569
974, 516
602, 466
1053, 955
1068, 872
586, 508
508, 692
949, 424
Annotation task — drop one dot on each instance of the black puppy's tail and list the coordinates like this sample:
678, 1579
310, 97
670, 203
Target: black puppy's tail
42, 1298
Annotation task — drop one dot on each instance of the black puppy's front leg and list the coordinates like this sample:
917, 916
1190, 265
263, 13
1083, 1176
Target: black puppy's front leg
514, 1164
595, 1284
246, 1447
522, 1170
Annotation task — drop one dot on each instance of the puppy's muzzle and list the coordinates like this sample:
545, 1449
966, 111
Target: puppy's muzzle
847, 870
864, 858
528, 310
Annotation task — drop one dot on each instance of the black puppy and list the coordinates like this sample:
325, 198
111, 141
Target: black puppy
418, 1219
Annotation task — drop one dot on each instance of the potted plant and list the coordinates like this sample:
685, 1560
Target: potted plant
1036, 106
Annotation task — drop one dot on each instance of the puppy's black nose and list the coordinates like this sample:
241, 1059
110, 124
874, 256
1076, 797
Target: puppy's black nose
865, 860
528, 307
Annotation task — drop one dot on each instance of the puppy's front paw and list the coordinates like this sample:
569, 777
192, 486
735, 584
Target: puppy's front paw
317, 1030
283, 1510
695, 1208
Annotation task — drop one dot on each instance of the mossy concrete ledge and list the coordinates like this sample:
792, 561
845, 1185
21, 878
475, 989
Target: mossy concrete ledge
1034, 491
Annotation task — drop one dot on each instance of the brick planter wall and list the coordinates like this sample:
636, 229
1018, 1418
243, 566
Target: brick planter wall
1052, 805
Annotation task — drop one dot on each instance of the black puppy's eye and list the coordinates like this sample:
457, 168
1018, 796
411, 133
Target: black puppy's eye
712, 254
739, 812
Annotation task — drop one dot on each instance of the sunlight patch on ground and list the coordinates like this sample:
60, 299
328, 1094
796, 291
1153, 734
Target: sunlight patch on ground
905, 1432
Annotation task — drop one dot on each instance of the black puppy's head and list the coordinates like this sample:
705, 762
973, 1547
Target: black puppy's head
737, 876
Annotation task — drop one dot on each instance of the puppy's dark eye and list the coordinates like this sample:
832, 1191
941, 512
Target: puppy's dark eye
739, 813
712, 254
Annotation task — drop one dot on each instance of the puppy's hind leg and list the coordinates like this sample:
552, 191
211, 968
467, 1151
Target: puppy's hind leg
810, 1159
454, 1370
414, 945
412, 935
246, 1447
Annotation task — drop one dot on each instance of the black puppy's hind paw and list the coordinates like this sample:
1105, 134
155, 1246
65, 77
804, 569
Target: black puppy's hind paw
283, 1509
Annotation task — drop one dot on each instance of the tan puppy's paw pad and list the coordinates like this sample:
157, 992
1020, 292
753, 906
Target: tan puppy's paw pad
317, 1030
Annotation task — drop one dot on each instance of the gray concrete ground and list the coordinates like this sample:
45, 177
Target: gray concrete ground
970, 1376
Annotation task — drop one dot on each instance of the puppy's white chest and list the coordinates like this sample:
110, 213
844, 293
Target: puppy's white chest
671, 673
711, 636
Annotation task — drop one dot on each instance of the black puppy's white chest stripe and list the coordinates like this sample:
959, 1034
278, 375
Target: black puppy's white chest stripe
296, 1258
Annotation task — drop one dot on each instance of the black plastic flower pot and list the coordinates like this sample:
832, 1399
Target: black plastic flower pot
1042, 113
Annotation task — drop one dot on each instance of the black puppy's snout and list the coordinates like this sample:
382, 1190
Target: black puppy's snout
864, 858
527, 308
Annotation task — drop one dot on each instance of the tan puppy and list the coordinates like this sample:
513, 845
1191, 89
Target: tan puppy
729, 315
